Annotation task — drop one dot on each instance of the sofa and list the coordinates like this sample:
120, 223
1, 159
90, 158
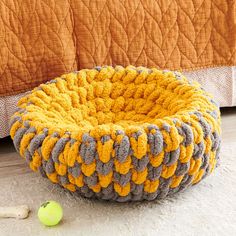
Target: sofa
41, 40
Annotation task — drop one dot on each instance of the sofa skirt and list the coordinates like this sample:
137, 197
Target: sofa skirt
220, 81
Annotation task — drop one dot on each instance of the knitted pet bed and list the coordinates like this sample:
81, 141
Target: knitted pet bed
119, 133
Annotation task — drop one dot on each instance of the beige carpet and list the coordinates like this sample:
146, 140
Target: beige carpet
206, 209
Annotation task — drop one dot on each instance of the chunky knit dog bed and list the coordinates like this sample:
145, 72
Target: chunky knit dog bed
119, 133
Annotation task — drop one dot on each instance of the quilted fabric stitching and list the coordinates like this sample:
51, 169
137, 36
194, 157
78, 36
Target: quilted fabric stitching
44, 39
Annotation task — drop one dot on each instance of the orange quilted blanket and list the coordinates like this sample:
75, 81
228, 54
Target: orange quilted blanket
42, 39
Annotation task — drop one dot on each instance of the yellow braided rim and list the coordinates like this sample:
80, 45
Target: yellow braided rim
119, 133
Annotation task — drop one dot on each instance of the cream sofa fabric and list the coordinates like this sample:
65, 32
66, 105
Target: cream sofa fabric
220, 81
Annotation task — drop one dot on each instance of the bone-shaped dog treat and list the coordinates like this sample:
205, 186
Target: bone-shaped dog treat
19, 212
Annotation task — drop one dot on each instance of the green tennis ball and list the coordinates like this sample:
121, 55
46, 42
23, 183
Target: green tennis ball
50, 213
